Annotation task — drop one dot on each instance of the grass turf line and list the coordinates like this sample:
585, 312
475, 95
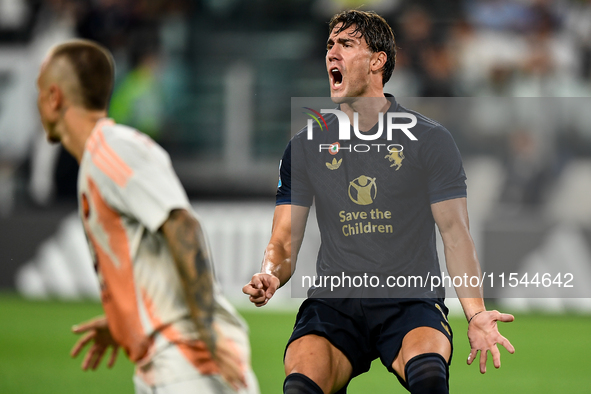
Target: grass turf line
35, 340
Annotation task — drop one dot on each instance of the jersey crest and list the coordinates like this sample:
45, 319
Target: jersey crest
395, 157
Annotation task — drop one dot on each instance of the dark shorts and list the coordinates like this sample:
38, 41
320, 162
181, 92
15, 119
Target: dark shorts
367, 328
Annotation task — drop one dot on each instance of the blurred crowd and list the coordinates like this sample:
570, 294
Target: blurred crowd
174, 60
521, 48
142, 35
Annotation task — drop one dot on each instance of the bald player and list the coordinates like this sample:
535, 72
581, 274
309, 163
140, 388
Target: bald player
161, 301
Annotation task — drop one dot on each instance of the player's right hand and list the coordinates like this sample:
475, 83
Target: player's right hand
261, 288
97, 331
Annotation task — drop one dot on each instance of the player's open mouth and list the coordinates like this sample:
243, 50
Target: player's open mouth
336, 76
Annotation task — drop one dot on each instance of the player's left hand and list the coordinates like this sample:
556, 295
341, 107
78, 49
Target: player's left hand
484, 336
97, 331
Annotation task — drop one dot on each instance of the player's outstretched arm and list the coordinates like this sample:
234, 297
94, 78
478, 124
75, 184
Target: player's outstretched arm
187, 244
289, 223
96, 332
451, 217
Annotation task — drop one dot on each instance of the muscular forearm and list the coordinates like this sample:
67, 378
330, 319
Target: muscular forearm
289, 223
462, 261
187, 245
277, 261
451, 217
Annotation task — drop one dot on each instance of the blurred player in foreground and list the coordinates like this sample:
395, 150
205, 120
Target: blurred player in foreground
401, 194
161, 301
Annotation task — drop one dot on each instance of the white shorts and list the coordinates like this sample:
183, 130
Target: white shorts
203, 384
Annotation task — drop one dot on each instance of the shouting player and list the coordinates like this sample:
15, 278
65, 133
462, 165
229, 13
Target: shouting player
161, 301
401, 194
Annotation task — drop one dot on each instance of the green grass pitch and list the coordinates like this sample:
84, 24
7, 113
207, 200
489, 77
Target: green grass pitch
552, 354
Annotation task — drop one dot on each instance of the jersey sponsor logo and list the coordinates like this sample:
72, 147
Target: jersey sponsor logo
335, 164
354, 223
363, 190
395, 157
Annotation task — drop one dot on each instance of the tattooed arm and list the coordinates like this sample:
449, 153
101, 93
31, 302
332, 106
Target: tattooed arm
186, 241
187, 245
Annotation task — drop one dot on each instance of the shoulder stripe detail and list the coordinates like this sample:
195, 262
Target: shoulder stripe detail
106, 159
427, 120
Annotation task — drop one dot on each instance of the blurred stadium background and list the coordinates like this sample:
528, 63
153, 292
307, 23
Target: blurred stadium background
212, 82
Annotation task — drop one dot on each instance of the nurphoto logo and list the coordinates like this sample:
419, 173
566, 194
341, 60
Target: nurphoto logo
345, 124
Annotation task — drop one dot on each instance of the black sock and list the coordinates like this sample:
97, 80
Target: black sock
296, 383
427, 374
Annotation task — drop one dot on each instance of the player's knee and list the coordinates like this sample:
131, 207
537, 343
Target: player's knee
427, 374
320, 378
303, 358
296, 383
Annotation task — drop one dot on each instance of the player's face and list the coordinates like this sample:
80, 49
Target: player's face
348, 64
48, 119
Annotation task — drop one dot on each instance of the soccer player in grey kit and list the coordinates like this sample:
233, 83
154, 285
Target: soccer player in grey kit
335, 339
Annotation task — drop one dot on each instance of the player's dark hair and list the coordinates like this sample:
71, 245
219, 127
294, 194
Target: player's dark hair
375, 30
94, 68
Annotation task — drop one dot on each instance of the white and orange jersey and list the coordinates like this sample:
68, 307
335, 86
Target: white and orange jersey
127, 189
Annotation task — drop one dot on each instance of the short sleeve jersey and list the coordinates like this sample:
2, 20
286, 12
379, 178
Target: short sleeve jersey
373, 198
127, 189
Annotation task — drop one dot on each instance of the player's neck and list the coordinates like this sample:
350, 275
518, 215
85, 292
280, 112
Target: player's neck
368, 109
78, 124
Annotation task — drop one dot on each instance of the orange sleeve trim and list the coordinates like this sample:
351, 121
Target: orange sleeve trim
118, 289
